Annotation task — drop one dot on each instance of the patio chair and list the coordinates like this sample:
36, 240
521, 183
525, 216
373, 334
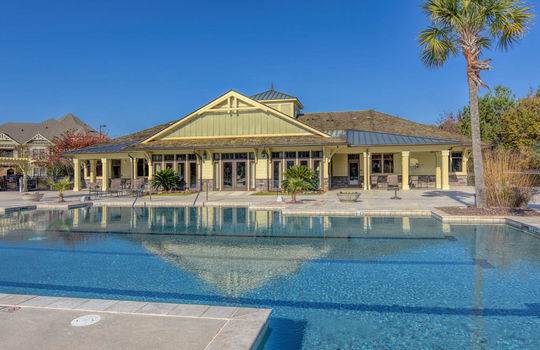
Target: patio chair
94, 188
374, 180
414, 181
116, 187
393, 184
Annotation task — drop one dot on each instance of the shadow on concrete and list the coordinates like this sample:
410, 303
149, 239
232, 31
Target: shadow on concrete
464, 198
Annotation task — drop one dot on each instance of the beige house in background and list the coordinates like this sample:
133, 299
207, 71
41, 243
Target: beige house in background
22, 143
242, 143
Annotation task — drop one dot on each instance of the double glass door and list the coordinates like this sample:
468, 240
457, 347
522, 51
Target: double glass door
234, 175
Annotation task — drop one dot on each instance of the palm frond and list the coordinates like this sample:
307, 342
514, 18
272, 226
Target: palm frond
508, 20
438, 44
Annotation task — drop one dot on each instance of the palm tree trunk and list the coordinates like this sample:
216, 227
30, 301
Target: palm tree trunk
293, 195
479, 184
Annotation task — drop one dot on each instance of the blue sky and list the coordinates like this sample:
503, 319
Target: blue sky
134, 64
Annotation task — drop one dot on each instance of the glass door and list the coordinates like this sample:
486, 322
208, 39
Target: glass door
192, 176
228, 175
354, 173
182, 174
240, 176
276, 174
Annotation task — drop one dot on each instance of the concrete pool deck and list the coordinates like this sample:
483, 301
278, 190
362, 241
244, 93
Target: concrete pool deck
42, 322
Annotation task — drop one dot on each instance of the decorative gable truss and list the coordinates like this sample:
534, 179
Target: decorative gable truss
39, 139
235, 115
6, 140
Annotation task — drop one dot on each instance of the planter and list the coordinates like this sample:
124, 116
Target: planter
348, 197
32, 196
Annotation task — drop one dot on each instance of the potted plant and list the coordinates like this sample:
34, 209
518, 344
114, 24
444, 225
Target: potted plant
60, 186
348, 196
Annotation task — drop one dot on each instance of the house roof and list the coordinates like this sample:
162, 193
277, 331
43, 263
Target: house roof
376, 122
50, 128
229, 142
367, 138
271, 95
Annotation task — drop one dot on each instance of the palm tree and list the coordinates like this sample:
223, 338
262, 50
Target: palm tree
60, 186
469, 27
167, 179
298, 178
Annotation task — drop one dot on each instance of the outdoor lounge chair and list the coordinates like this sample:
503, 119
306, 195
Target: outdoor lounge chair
393, 184
116, 187
414, 181
94, 188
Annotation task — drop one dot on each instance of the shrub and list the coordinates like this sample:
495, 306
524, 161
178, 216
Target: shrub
61, 185
507, 183
298, 178
166, 179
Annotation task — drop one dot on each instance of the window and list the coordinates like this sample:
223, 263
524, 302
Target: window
456, 162
388, 163
157, 158
289, 164
303, 154
192, 157
290, 155
316, 154
180, 157
277, 155
99, 168
376, 163
142, 167
169, 157
382, 163
354, 156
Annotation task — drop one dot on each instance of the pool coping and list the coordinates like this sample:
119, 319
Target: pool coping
243, 326
529, 224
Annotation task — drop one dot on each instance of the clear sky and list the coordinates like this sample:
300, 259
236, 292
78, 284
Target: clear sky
134, 64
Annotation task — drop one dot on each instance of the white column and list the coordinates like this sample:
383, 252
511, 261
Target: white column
76, 175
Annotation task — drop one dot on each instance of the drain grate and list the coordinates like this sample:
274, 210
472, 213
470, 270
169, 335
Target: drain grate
86, 320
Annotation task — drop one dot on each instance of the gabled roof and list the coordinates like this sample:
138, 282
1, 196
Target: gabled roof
50, 128
271, 95
370, 138
376, 122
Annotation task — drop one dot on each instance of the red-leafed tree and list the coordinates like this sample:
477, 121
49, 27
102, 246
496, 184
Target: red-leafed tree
54, 160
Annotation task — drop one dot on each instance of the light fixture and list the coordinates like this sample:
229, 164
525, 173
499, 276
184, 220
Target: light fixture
205, 155
264, 154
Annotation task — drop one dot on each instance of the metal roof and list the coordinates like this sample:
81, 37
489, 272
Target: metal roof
271, 95
117, 147
365, 138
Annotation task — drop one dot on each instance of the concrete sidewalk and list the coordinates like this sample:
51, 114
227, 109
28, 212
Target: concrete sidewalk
38, 322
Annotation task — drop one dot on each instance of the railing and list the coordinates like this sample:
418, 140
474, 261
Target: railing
199, 192
138, 194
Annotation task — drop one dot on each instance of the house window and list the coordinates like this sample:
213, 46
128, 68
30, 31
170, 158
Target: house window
388, 166
169, 157
376, 163
39, 172
382, 163
99, 168
290, 155
316, 154
303, 154
157, 158
142, 167
277, 155
456, 162
192, 157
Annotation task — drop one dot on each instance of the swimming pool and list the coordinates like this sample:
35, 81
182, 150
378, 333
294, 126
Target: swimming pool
332, 282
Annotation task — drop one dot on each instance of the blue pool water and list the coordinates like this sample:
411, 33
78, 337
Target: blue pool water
332, 282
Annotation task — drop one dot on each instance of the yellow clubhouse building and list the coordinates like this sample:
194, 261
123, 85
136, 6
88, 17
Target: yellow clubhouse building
241, 143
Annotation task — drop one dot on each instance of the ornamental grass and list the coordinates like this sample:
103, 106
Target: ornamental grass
507, 182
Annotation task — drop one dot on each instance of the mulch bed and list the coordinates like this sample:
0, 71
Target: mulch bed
474, 211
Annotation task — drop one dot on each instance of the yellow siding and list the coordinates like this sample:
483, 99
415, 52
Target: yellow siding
284, 107
261, 168
236, 124
207, 170
422, 163
339, 165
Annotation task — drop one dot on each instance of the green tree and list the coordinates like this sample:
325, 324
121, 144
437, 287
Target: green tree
61, 185
298, 178
491, 108
469, 27
166, 179
521, 127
